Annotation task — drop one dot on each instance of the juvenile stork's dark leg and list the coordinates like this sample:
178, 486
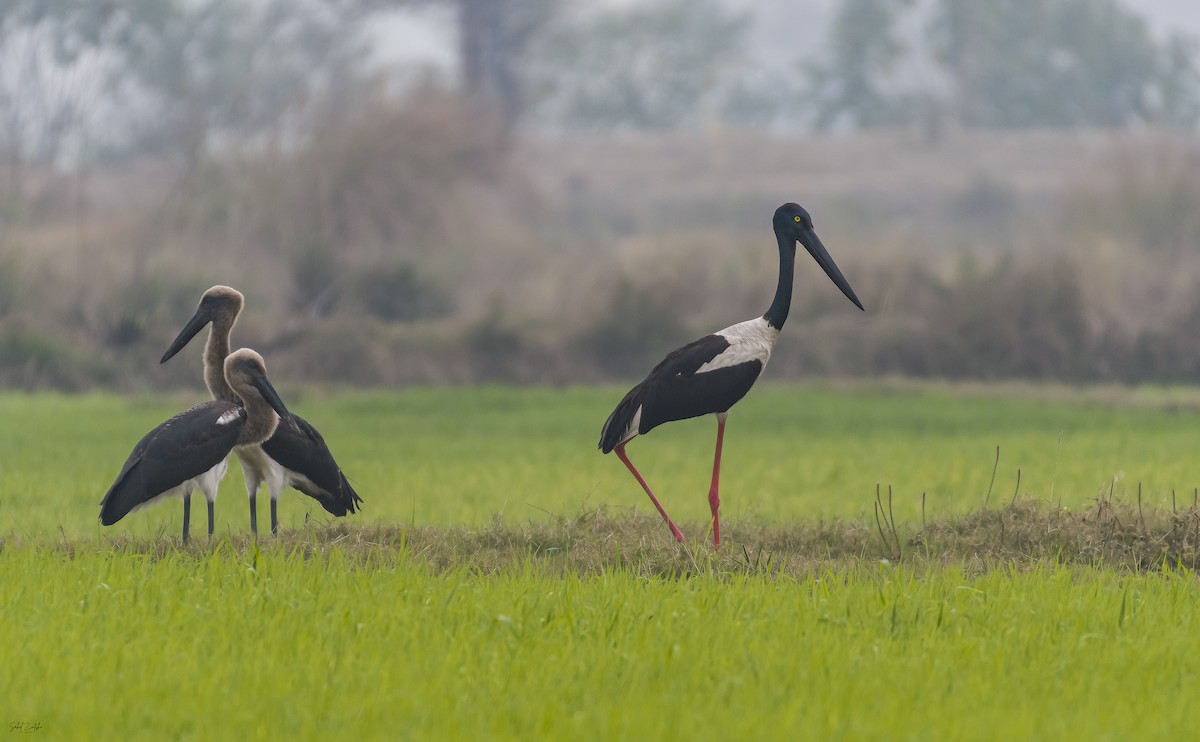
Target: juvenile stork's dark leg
671, 524
714, 500
274, 518
187, 515
254, 513
211, 504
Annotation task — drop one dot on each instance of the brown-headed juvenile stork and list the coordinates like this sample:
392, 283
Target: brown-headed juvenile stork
711, 374
296, 455
167, 461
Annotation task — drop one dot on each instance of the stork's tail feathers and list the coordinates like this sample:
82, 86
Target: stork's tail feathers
349, 502
113, 509
622, 424
346, 500
120, 499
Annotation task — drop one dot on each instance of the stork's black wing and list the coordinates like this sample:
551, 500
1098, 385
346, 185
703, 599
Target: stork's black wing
183, 447
301, 449
674, 391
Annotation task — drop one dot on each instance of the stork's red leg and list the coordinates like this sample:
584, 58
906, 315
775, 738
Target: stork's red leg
714, 500
671, 524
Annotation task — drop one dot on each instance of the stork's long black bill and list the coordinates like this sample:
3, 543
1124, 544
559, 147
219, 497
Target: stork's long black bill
263, 384
812, 243
194, 325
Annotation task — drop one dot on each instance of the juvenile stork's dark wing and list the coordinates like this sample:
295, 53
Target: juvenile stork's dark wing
674, 390
183, 447
301, 449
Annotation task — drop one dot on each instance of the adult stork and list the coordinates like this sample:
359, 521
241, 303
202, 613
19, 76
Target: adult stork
711, 374
168, 459
296, 455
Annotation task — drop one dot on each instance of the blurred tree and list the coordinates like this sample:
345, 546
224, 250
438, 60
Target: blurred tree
486, 54
232, 69
170, 74
50, 70
1014, 63
493, 41
848, 85
1179, 93
494, 36
647, 65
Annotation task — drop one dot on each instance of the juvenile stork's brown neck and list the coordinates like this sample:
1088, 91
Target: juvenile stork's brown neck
261, 420
246, 375
216, 350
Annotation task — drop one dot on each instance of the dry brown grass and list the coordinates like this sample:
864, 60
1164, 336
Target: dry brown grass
1018, 536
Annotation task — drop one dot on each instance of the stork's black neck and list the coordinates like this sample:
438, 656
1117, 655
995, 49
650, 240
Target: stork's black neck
777, 314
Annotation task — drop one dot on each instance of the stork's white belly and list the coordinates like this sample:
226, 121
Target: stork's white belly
260, 469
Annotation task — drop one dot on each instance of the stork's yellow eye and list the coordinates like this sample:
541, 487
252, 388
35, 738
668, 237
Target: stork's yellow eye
796, 218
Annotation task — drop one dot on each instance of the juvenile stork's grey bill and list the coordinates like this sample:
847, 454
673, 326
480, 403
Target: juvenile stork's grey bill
193, 326
264, 387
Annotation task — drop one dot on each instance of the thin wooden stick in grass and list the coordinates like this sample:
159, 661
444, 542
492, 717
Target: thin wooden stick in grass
1016, 489
1141, 515
879, 525
924, 538
879, 516
995, 466
878, 522
888, 516
892, 522
1100, 499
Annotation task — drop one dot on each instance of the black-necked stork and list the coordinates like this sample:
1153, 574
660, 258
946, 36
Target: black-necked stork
711, 374
296, 455
168, 459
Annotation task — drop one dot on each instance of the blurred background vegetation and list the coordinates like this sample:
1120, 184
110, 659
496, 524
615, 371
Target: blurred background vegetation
552, 191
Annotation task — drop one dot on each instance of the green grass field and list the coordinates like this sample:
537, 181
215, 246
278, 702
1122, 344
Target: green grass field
406, 623
283, 647
452, 456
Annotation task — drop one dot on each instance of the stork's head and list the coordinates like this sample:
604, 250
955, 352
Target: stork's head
246, 373
794, 224
220, 304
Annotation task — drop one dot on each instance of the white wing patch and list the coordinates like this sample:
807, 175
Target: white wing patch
229, 417
635, 424
752, 340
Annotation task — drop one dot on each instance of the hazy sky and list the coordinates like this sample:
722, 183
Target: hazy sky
1167, 15
783, 29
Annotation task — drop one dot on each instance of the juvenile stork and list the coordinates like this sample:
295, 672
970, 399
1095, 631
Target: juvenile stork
296, 455
168, 459
711, 374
